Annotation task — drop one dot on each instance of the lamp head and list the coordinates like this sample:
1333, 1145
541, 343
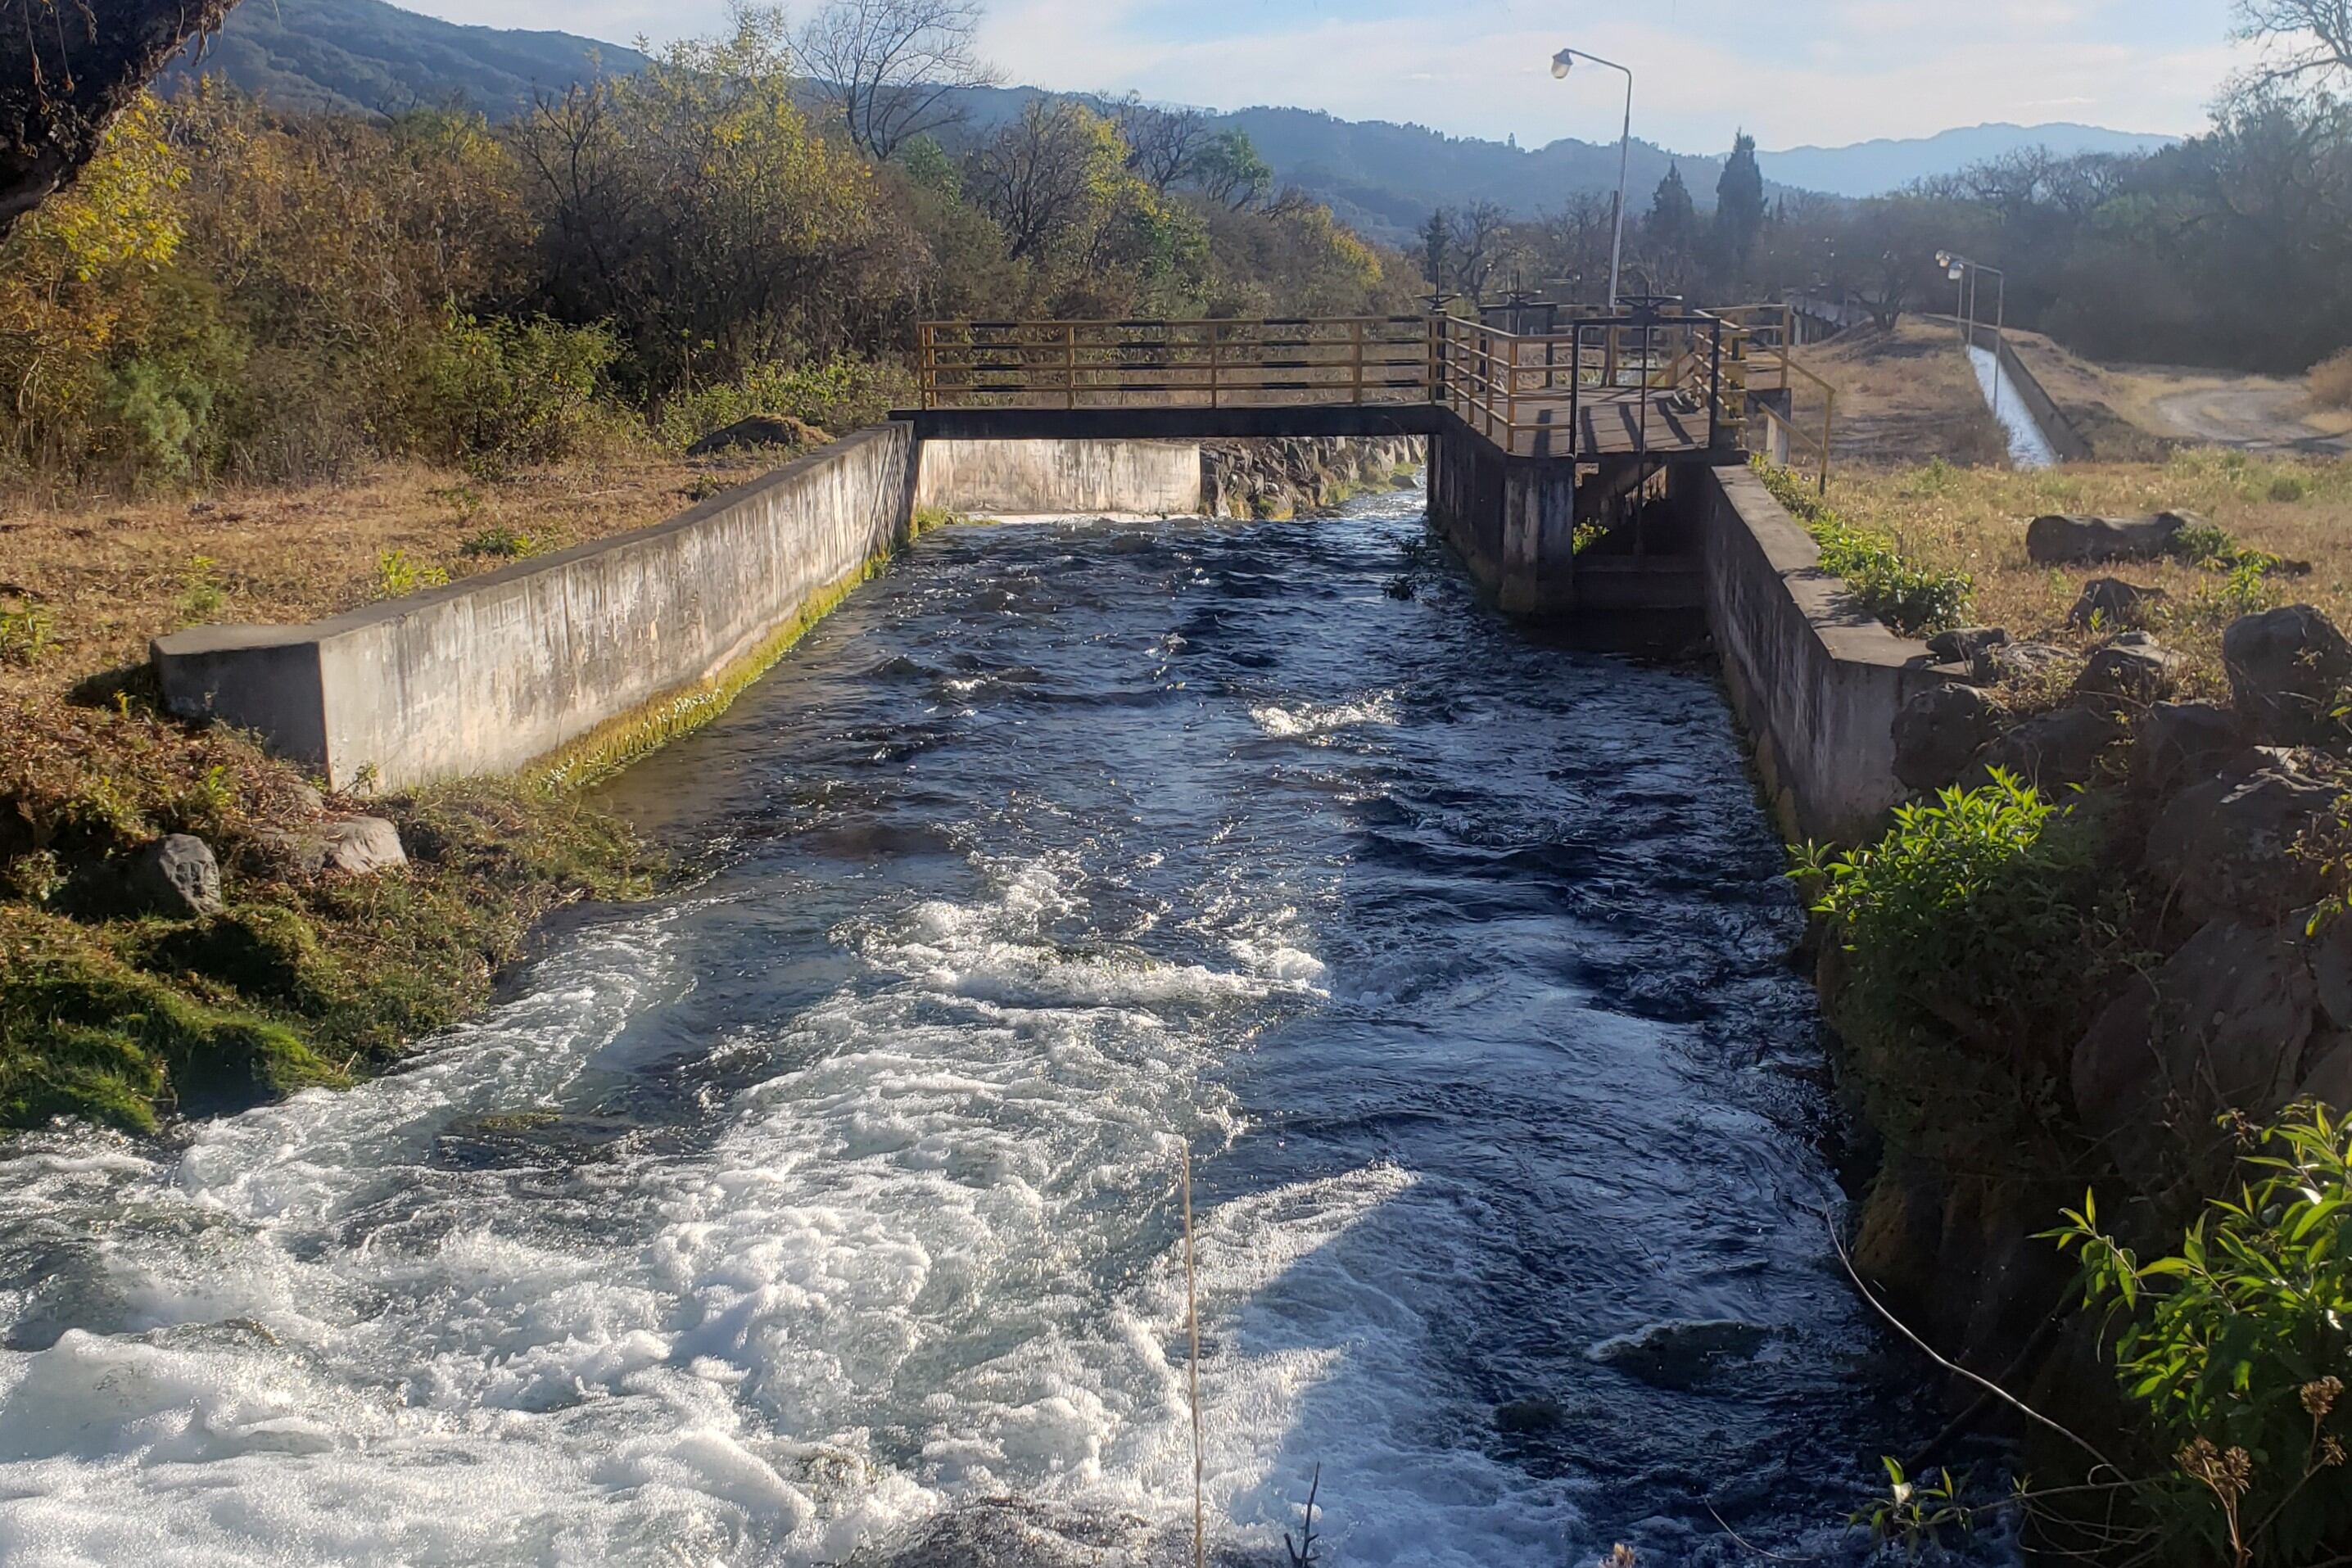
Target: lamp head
1562, 63
1943, 258
1955, 271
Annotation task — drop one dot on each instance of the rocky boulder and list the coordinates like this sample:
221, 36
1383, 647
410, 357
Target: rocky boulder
2288, 668
759, 430
2082, 541
1962, 644
2219, 1025
175, 876
2178, 744
2053, 750
2226, 846
1939, 731
2111, 604
356, 846
2014, 661
2129, 672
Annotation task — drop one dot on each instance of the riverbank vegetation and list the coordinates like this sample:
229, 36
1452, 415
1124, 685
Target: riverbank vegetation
2101, 953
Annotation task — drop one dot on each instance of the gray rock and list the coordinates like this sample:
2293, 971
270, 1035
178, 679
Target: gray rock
1939, 731
2219, 1025
1680, 1354
2007, 661
2329, 1081
175, 876
357, 846
2226, 846
2111, 604
2055, 749
2080, 542
2178, 744
759, 430
1963, 643
2128, 674
2329, 953
2288, 668
310, 799
1522, 1416
362, 846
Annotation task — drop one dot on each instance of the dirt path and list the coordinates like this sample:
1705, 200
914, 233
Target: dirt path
2254, 413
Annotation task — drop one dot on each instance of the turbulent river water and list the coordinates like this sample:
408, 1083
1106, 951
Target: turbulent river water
827, 1211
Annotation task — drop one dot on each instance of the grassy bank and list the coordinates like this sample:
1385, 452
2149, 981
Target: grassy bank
301, 979
1973, 521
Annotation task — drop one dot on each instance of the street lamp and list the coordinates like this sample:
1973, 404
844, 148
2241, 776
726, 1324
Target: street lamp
1561, 64
1958, 267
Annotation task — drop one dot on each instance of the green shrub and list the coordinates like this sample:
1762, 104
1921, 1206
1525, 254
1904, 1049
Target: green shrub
1969, 937
201, 592
397, 575
502, 543
497, 393
2239, 1345
26, 635
1913, 599
834, 394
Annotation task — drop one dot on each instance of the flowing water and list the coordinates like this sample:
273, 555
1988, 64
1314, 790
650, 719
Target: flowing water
2029, 444
828, 1211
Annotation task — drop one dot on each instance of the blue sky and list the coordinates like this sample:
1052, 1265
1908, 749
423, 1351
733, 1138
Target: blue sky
1790, 71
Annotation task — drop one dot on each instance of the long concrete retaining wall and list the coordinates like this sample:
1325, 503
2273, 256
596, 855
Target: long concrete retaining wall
1089, 478
2064, 440
496, 672
1815, 682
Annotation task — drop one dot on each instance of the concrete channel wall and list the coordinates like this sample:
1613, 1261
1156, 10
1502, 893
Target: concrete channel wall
1814, 680
497, 672
1056, 478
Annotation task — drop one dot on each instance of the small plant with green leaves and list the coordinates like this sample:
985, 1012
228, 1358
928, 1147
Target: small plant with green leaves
1921, 1518
397, 575
501, 543
201, 592
2239, 1345
26, 635
1911, 597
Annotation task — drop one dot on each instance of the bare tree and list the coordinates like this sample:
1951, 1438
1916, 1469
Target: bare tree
67, 68
2315, 35
1479, 236
1035, 177
892, 67
1164, 145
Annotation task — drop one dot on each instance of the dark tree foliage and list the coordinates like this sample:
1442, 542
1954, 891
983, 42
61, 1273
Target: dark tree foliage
1739, 202
67, 68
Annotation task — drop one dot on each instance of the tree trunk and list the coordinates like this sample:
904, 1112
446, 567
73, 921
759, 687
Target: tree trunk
67, 68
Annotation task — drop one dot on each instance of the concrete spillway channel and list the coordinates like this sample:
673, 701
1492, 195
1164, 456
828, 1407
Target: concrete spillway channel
2029, 446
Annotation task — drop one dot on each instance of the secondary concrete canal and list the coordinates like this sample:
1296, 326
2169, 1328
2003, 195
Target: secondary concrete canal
827, 1211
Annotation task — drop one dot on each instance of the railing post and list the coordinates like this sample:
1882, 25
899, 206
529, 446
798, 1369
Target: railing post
1355, 336
1069, 366
1828, 403
1575, 387
1216, 342
1714, 384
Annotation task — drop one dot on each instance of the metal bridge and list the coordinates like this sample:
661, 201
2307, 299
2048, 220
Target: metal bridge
1653, 382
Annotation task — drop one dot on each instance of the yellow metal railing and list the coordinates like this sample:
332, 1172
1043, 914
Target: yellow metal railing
1199, 364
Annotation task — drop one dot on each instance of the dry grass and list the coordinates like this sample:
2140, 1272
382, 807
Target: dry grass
2331, 381
1974, 520
1904, 396
106, 578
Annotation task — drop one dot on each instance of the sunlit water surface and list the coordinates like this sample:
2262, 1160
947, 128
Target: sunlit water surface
827, 1209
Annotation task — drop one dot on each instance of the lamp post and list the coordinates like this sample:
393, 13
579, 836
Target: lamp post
1561, 64
1963, 272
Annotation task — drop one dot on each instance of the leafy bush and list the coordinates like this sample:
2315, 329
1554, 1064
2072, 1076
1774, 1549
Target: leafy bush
1963, 934
501, 543
2331, 380
834, 394
397, 575
201, 592
498, 394
1913, 599
26, 635
2240, 1344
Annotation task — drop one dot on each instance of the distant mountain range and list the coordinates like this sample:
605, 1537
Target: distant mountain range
363, 56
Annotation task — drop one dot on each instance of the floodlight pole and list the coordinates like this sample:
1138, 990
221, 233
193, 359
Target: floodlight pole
1560, 68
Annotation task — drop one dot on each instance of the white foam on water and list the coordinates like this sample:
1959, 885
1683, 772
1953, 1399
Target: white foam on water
932, 1257
1317, 722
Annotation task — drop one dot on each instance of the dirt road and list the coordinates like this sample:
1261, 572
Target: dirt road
2254, 412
